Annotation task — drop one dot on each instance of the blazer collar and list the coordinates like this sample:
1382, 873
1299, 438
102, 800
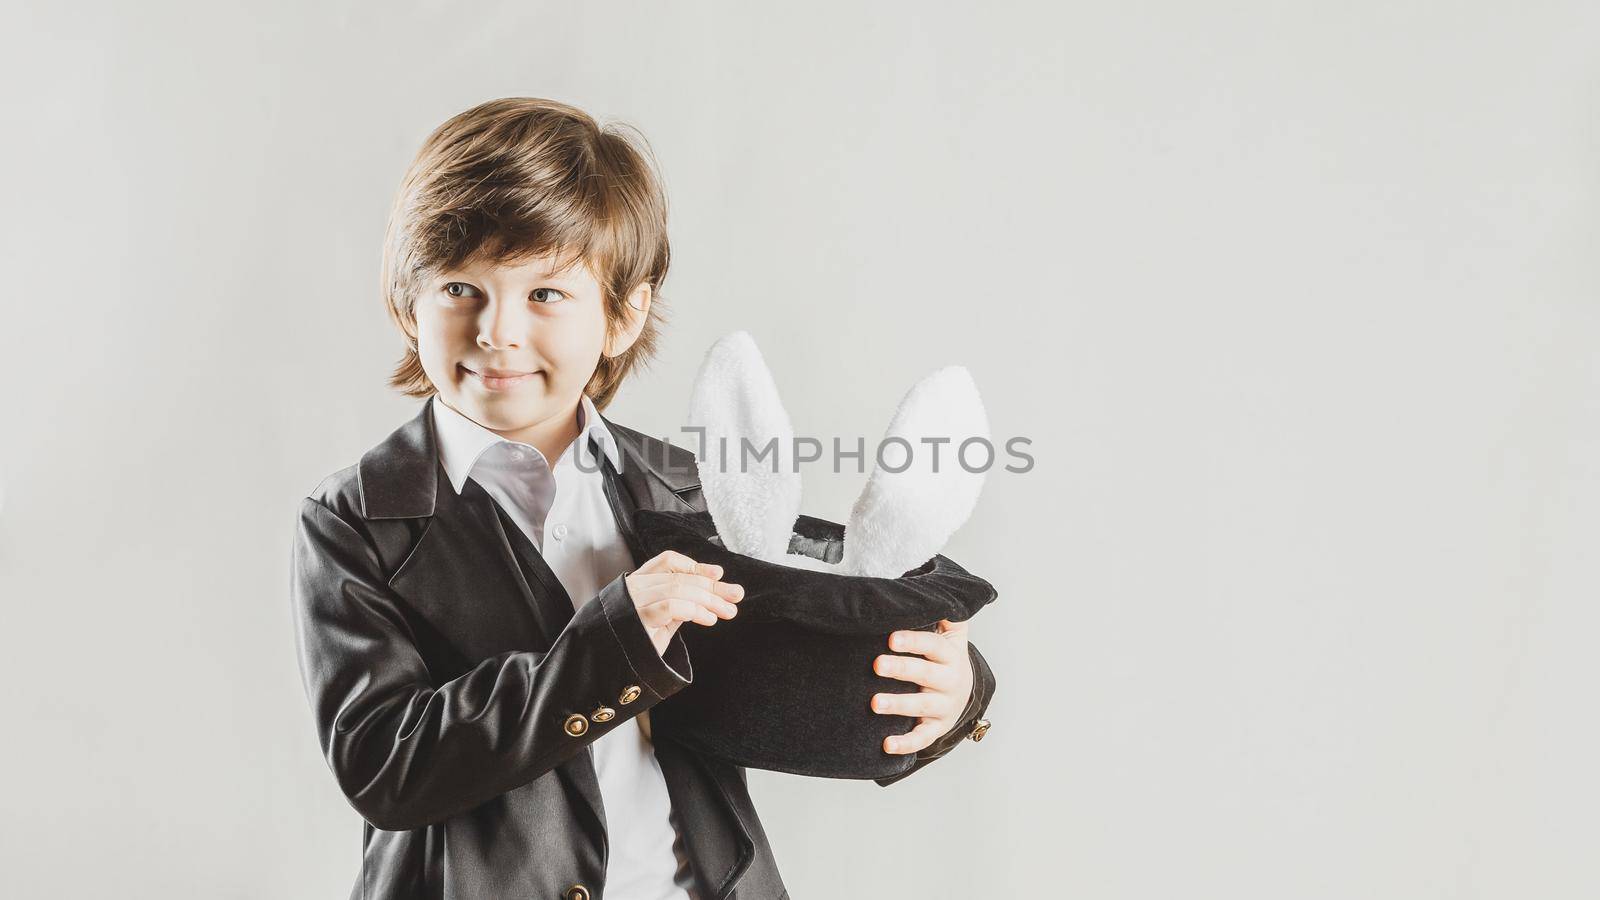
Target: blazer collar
400, 477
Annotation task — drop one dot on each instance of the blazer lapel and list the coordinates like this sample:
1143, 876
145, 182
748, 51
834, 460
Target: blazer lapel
658, 475
466, 550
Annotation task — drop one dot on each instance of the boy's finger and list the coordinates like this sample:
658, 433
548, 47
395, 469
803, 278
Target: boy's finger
684, 581
678, 562
701, 597
676, 580
668, 561
917, 738
682, 609
921, 703
935, 647
915, 670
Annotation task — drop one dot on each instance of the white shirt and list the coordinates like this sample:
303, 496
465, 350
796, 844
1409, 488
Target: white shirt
586, 551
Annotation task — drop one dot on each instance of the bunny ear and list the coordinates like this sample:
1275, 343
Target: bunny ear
902, 519
753, 498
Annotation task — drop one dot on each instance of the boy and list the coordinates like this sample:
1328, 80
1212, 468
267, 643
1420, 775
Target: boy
478, 645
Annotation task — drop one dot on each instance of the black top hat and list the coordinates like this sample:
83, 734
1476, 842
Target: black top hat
787, 684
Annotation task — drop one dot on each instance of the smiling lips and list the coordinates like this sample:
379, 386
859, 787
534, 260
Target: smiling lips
499, 379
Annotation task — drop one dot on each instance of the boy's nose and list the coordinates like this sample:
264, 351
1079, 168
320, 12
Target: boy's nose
503, 326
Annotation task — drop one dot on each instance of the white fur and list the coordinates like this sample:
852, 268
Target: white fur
900, 520
735, 398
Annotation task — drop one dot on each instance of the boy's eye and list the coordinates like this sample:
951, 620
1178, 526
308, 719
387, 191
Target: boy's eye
462, 290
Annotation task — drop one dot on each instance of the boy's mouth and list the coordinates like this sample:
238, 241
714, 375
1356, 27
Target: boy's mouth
499, 379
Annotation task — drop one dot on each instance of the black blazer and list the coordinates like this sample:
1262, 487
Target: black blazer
447, 671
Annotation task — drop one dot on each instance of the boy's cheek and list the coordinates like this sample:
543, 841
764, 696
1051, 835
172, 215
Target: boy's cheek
438, 361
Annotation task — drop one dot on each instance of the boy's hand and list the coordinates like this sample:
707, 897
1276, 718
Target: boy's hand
672, 588
946, 678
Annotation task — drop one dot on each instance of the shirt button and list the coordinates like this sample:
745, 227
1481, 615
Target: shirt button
559, 532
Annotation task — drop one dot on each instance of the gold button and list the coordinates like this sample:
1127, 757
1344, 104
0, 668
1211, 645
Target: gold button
979, 729
577, 892
629, 694
603, 714
576, 725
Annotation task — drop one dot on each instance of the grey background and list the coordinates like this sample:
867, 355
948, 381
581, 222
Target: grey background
1296, 302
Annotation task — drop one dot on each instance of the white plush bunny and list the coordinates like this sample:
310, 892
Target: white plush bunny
901, 520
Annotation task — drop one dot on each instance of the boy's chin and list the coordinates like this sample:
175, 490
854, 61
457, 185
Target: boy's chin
505, 410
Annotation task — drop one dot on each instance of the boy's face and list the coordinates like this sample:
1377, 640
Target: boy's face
512, 346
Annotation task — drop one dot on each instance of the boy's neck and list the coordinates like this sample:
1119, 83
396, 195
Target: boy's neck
551, 437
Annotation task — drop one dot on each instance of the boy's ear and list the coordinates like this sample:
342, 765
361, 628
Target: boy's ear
636, 311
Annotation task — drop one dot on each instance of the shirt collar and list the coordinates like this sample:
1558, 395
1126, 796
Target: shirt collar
462, 441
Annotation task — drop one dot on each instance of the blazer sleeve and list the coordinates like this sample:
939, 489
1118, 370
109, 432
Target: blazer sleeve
408, 752
977, 705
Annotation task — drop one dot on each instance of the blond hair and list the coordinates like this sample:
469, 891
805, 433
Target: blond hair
521, 177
